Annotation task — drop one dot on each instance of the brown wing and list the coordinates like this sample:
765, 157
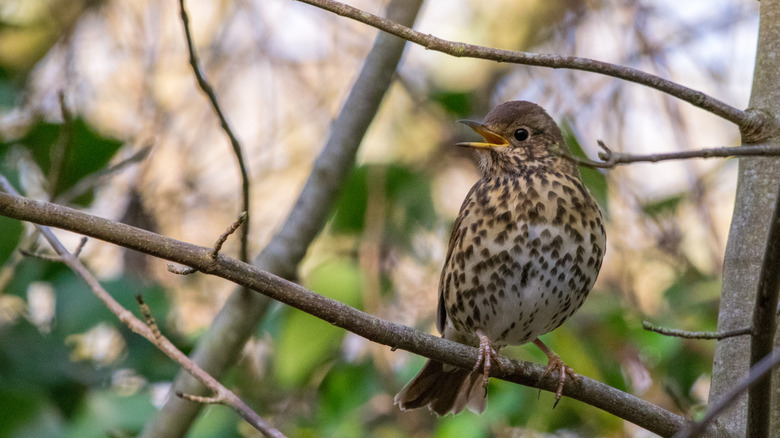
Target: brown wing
455, 236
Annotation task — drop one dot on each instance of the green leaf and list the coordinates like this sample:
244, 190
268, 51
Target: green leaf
663, 206
84, 152
307, 342
405, 194
594, 179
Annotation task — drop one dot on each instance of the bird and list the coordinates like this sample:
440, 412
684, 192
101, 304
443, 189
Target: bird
524, 253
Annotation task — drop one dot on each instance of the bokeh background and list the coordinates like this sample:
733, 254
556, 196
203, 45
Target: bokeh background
282, 70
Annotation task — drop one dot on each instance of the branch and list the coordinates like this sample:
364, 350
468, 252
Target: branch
148, 330
612, 159
695, 335
757, 373
218, 349
234, 142
764, 328
597, 394
754, 124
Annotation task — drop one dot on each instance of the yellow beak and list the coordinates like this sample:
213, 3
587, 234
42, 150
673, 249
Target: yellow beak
492, 140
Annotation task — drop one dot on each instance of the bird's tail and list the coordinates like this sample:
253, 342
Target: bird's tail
444, 389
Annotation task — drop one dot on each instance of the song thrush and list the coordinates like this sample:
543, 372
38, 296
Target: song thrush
523, 255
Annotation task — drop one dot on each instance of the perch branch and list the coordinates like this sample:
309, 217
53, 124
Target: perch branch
599, 395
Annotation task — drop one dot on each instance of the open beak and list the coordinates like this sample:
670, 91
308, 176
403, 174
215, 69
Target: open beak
492, 140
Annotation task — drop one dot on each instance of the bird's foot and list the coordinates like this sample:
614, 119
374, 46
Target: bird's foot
554, 362
486, 356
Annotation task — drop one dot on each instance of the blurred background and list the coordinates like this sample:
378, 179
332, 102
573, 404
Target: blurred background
282, 70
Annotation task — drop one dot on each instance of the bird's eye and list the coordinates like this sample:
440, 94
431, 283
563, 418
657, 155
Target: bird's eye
521, 134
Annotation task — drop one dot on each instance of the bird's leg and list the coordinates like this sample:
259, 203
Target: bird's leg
485, 357
554, 362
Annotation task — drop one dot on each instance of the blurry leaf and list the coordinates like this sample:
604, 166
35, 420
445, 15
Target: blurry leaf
662, 206
307, 341
9, 237
27, 412
85, 152
343, 396
455, 102
406, 195
106, 413
594, 179
460, 426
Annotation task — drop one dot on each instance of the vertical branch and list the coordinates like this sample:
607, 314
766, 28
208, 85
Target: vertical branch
764, 327
236, 321
757, 191
234, 142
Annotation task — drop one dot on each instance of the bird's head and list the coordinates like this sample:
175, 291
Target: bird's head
519, 135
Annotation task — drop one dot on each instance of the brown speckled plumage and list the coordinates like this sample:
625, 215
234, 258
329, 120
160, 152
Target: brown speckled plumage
523, 255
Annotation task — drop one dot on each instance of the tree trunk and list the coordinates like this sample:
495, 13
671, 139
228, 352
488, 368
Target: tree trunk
757, 189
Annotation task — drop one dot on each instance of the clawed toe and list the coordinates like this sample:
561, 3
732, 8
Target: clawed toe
486, 356
554, 363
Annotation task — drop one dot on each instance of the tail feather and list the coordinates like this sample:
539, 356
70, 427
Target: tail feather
443, 389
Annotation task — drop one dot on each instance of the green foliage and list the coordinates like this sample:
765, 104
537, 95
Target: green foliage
66, 153
595, 180
307, 342
405, 194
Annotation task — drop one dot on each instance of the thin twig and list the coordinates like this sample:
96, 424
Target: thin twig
757, 372
612, 159
150, 322
755, 125
200, 399
599, 395
55, 258
224, 236
234, 142
186, 270
59, 150
695, 335
91, 181
145, 330
181, 270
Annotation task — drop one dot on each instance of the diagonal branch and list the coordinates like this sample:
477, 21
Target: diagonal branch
754, 124
236, 321
597, 394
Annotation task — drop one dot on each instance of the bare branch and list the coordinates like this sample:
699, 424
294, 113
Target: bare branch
752, 123
597, 394
694, 335
148, 330
612, 159
224, 236
234, 142
757, 373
